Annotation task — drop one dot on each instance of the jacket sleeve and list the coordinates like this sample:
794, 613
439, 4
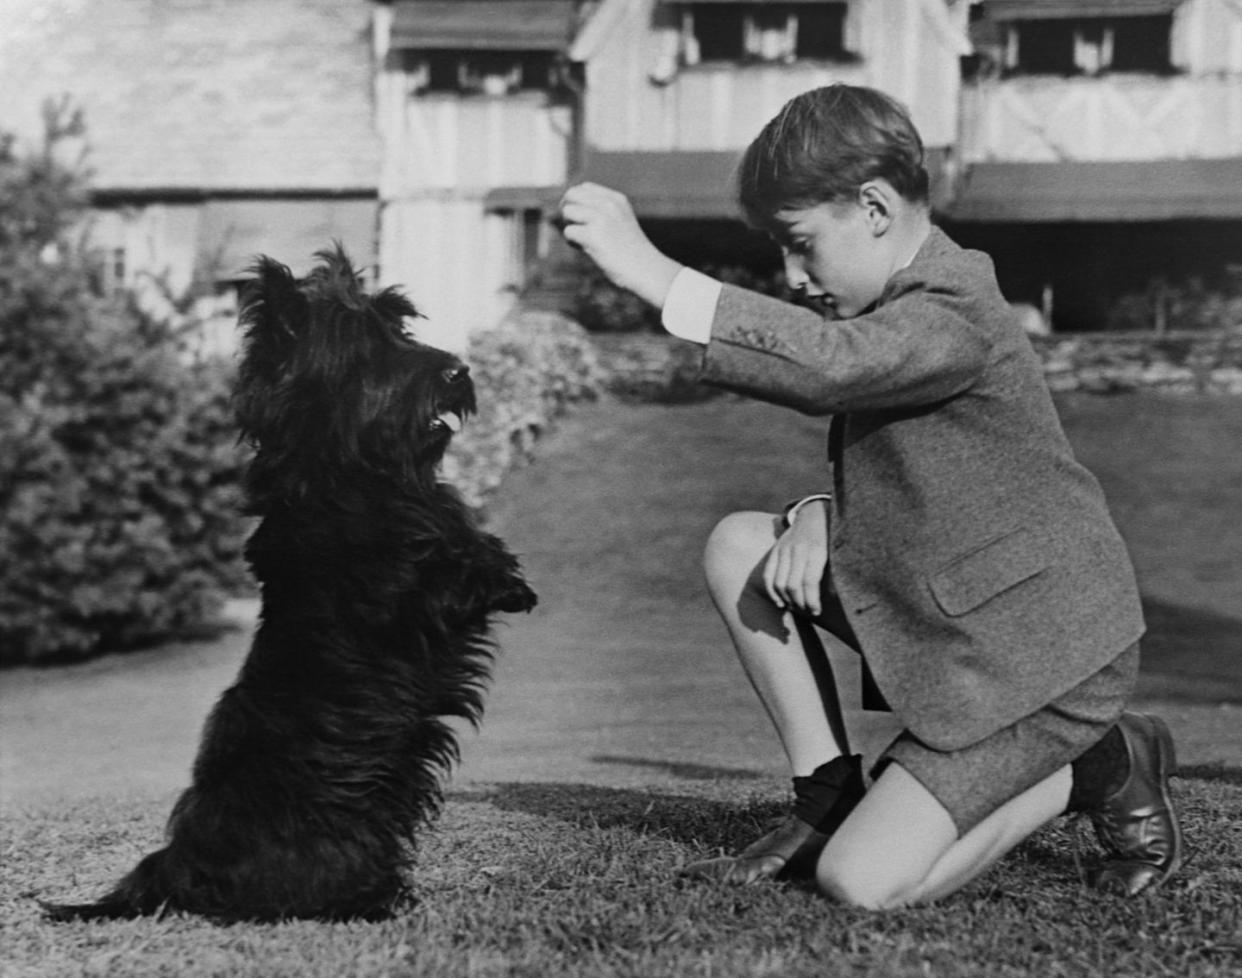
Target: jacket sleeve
918, 346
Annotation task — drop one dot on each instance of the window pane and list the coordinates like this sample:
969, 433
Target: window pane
821, 30
442, 73
718, 29
1141, 43
1046, 47
463, 70
771, 18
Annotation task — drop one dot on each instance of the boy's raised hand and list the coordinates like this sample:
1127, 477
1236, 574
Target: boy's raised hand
601, 222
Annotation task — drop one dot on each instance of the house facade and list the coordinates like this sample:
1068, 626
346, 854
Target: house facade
476, 110
1072, 138
215, 131
1100, 146
433, 136
487, 109
675, 90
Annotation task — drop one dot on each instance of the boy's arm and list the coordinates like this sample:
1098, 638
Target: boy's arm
690, 306
919, 347
600, 222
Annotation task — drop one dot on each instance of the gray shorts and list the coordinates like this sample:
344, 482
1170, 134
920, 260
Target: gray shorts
973, 782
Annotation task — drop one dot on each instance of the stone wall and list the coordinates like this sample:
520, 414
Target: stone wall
1205, 363
655, 367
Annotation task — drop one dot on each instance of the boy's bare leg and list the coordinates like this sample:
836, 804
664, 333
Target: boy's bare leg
899, 846
787, 667
794, 683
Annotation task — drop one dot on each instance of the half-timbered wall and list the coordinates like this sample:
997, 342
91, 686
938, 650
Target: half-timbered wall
470, 143
908, 48
442, 154
1196, 113
454, 258
1108, 118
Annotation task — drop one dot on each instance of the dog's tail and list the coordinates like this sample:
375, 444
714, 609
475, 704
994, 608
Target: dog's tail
143, 892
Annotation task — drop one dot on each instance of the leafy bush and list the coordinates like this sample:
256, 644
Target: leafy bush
653, 368
768, 283
1188, 306
119, 470
120, 507
526, 371
601, 307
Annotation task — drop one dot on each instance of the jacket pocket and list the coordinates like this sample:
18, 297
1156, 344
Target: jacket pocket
974, 578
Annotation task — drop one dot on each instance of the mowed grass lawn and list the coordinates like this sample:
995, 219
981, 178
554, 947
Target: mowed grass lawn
546, 879
1172, 470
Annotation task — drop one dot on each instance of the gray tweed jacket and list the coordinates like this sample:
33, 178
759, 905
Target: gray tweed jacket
975, 557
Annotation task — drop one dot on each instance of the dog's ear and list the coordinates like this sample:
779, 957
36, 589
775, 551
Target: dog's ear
273, 311
393, 306
274, 314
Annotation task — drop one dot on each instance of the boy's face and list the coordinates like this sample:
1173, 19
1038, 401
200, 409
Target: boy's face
832, 252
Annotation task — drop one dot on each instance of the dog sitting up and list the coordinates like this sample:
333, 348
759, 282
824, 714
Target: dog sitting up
319, 764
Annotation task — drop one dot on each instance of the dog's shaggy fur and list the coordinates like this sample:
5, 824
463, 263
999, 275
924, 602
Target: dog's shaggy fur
319, 764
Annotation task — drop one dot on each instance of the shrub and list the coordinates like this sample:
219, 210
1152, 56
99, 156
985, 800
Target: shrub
653, 368
120, 508
768, 283
1187, 306
119, 471
526, 372
601, 307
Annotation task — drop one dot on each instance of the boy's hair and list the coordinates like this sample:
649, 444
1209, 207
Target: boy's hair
825, 144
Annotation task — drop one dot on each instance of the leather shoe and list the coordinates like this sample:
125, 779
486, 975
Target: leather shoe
1137, 824
789, 851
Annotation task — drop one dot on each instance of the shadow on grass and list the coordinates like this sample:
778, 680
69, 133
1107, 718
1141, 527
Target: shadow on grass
708, 824
1211, 772
708, 827
681, 769
1191, 654
689, 819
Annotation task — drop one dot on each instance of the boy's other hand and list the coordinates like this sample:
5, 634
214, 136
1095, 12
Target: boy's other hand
601, 222
795, 566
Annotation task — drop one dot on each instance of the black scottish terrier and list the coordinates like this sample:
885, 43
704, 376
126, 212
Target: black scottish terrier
319, 764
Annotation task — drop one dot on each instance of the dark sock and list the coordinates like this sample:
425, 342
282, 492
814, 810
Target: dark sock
828, 794
1099, 772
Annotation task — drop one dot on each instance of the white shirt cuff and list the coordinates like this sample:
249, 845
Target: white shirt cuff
690, 306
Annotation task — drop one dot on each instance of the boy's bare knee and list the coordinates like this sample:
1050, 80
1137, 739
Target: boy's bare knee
736, 543
738, 530
856, 884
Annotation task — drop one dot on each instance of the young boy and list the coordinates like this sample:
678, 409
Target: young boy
960, 547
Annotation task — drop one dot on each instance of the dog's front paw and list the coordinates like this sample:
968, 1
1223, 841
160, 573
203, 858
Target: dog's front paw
516, 596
